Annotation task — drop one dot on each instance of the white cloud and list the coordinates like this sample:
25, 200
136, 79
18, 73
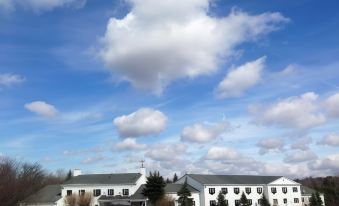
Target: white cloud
129, 144
329, 163
159, 41
300, 156
42, 108
295, 112
302, 143
201, 133
289, 70
330, 140
143, 122
166, 151
238, 80
222, 153
332, 105
270, 144
39, 5
93, 160
7, 79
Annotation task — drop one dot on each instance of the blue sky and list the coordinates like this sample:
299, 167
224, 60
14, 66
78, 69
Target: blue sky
201, 86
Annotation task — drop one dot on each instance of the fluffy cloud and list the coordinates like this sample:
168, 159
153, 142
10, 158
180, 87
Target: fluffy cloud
331, 140
143, 122
39, 5
222, 153
329, 163
331, 105
42, 108
129, 144
238, 80
301, 143
201, 133
166, 151
10, 79
300, 156
270, 144
159, 41
295, 112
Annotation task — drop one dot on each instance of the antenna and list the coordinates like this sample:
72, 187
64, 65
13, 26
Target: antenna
142, 163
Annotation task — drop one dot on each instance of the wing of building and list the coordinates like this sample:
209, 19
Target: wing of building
126, 190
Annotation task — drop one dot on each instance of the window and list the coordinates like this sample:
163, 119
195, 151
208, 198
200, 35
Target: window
275, 201
96, 192
285, 200
302, 199
69, 192
296, 200
259, 201
213, 203
224, 191
211, 191
284, 190
295, 189
273, 190
249, 201
259, 190
248, 190
237, 202
125, 192
110, 192
193, 203
236, 190
81, 192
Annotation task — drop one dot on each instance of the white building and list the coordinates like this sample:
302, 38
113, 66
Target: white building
126, 189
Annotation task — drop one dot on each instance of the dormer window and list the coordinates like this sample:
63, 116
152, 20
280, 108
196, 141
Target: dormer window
224, 190
248, 190
259, 190
274, 190
110, 192
236, 190
125, 192
284, 190
211, 191
96, 192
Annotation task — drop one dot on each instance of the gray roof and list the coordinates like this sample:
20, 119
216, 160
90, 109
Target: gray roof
307, 191
169, 188
48, 194
233, 179
123, 178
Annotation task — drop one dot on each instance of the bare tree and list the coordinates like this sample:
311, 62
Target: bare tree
85, 199
71, 200
166, 201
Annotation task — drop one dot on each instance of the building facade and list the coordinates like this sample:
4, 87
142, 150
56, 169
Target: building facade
126, 190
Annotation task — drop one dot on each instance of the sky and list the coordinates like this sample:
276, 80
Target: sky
194, 86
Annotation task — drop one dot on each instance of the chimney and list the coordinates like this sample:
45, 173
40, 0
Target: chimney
143, 172
76, 172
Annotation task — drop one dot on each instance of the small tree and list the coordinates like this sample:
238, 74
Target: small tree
155, 187
318, 199
69, 175
313, 200
243, 200
184, 195
221, 200
85, 199
166, 201
175, 177
264, 201
71, 200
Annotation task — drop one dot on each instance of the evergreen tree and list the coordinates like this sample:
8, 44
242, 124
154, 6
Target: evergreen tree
221, 200
168, 181
318, 199
244, 200
155, 187
264, 201
184, 195
175, 177
313, 200
69, 175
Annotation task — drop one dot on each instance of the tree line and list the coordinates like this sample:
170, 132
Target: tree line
329, 186
18, 180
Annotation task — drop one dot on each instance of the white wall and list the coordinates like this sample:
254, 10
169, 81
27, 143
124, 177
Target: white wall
195, 197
